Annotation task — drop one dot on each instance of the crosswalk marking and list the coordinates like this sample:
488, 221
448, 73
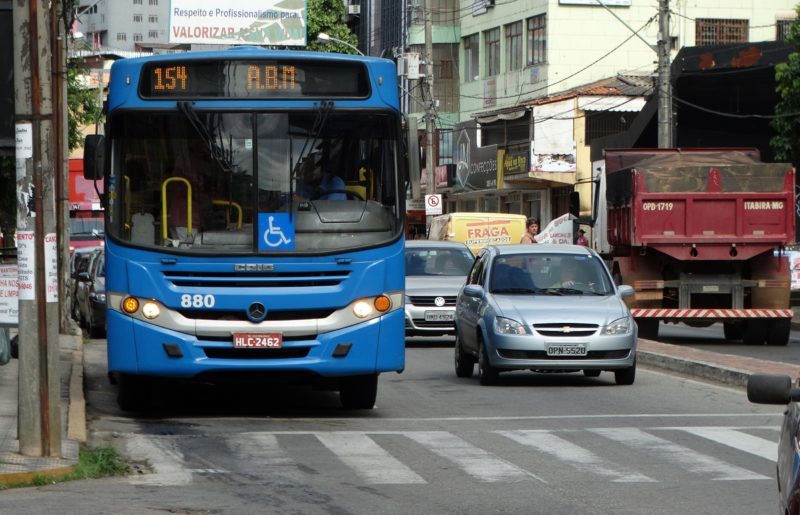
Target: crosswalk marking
578, 457
264, 452
368, 459
473, 460
738, 440
693, 461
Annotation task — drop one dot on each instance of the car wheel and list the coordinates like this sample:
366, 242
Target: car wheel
626, 376
592, 373
359, 392
464, 363
778, 331
486, 372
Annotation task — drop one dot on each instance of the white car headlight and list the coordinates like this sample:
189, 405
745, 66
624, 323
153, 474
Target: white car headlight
503, 325
619, 326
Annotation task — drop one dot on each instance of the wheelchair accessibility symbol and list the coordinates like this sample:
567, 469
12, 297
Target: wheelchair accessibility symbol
277, 231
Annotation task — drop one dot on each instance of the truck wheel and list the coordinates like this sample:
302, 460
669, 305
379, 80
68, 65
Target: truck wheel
733, 330
778, 331
648, 328
359, 392
755, 331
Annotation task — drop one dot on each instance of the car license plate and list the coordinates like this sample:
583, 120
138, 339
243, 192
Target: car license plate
257, 340
566, 349
440, 316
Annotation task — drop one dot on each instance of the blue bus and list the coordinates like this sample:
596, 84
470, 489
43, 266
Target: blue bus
255, 205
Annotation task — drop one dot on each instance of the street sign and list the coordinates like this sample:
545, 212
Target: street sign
433, 204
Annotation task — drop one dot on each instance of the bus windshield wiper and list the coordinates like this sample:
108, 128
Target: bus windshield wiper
325, 107
217, 153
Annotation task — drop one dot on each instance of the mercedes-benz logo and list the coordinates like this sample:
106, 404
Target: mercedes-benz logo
256, 312
439, 301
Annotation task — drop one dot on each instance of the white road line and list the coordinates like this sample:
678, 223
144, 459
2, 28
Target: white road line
165, 458
582, 459
473, 460
684, 457
738, 416
369, 460
738, 440
264, 452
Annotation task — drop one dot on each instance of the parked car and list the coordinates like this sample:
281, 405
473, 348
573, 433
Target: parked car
79, 261
548, 308
435, 272
779, 390
91, 295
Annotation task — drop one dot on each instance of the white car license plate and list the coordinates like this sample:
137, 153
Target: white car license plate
257, 340
566, 349
440, 316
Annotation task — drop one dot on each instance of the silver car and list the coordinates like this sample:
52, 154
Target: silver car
543, 308
435, 272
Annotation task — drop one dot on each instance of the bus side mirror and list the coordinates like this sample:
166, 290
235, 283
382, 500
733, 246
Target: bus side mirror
94, 157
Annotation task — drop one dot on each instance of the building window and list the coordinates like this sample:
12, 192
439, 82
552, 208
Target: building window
137, 18
137, 2
605, 123
717, 31
153, 2
492, 45
471, 56
443, 69
153, 34
121, 36
537, 40
783, 29
445, 147
138, 38
514, 46
152, 18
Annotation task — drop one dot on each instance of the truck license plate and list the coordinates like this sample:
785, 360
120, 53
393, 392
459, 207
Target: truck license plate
566, 350
257, 340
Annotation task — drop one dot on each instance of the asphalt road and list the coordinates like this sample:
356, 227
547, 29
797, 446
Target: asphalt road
550, 444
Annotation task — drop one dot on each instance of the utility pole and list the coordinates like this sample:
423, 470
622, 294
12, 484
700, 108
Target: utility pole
429, 164
39, 407
664, 89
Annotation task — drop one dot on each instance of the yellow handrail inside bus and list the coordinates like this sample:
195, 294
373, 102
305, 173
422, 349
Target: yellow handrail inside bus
164, 204
228, 212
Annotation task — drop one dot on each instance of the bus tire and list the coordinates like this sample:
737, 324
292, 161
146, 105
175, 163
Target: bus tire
359, 392
133, 393
778, 331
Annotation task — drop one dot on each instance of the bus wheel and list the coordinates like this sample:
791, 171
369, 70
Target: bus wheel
778, 331
133, 393
359, 392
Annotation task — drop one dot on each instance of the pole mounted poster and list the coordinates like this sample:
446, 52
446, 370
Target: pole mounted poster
238, 22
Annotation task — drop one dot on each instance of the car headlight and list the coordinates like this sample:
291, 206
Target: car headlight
619, 326
99, 297
503, 325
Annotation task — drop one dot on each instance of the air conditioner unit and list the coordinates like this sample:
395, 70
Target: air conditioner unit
354, 9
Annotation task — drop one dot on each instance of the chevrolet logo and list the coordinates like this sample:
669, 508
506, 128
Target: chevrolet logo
566, 329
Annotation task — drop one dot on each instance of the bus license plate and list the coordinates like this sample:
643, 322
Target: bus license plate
566, 350
257, 340
440, 316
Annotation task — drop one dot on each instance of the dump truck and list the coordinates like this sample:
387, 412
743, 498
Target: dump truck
701, 235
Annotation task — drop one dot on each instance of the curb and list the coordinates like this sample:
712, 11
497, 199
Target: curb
697, 369
76, 417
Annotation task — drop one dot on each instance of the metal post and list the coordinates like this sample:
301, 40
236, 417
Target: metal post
664, 88
429, 164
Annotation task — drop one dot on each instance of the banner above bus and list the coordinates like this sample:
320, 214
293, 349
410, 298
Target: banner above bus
232, 22
255, 78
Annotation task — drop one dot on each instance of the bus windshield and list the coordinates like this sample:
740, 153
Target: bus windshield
196, 181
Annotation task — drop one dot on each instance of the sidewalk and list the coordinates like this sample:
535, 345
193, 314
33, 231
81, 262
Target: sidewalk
14, 467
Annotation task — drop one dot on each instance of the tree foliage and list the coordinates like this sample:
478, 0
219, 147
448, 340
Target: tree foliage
83, 105
326, 16
786, 142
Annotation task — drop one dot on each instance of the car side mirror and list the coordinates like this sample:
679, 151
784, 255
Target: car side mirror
771, 389
625, 290
473, 290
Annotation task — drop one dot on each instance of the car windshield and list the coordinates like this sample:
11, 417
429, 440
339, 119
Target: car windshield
433, 261
549, 274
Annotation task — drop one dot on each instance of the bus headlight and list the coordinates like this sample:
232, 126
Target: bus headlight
362, 309
150, 310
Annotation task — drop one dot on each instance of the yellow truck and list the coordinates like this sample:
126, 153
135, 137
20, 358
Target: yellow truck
478, 230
